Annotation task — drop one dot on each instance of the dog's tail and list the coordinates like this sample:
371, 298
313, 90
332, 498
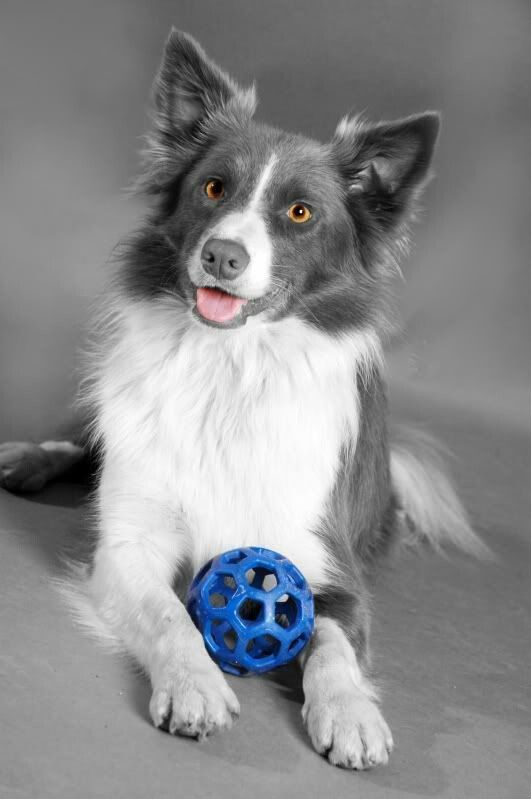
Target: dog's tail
73, 585
428, 507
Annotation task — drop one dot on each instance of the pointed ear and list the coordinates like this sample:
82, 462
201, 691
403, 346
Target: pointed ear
190, 87
190, 93
386, 165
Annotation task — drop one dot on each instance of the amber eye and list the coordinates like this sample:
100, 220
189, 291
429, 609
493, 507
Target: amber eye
214, 189
298, 212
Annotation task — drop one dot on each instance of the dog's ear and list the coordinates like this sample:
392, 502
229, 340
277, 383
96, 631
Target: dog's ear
386, 165
189, 87
190, 94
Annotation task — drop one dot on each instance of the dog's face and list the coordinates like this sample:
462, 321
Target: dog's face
255, 222
257, 218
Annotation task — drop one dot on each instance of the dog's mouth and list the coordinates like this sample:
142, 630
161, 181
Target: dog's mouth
218, 308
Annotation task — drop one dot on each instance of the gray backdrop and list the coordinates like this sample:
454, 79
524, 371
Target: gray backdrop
74, 82
451, 636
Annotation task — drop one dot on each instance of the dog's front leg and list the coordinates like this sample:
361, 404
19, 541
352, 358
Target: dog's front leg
340, 710
142, 544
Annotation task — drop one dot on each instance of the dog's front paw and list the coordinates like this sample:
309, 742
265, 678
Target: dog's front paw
193, 699
348, 729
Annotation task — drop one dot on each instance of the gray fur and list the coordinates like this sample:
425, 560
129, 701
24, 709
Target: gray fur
360, 517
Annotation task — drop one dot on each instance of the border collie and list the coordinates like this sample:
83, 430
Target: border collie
237, 395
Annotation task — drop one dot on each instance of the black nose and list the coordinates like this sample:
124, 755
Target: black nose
224, 258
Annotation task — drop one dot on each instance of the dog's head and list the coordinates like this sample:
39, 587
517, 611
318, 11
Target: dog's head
251, 221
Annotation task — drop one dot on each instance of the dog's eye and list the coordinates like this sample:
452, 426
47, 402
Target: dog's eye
214, 189
298, 212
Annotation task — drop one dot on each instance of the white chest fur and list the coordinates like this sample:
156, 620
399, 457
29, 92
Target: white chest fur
242, 429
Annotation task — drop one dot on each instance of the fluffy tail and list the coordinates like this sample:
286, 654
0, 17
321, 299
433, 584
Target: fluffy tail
428, 505
74, 588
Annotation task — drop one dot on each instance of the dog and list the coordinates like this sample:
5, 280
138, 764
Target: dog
236, 395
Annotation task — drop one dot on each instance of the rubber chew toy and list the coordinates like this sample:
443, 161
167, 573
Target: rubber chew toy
254, 609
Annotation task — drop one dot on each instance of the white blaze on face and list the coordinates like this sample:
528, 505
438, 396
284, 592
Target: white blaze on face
249, 229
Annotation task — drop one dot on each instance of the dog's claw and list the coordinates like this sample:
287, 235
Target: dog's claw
193, 704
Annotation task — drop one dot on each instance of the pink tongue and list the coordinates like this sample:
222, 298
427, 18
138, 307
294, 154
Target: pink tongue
216, 306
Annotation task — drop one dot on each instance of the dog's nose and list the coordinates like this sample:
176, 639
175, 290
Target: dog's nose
224, 259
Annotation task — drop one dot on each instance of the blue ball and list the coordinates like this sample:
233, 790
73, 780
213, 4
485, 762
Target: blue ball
254, 609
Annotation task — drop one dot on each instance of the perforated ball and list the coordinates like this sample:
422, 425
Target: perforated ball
254, 609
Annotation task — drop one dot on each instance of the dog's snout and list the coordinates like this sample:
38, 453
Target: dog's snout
224, 259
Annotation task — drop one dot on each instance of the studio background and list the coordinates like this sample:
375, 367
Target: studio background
74, 84
450, 635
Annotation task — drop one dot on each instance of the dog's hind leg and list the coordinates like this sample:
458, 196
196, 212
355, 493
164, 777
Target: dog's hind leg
25, 466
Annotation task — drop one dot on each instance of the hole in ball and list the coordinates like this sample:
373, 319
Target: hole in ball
262, 646
251, 611
223, 634
286, 611
262, 578
298, 643
235, 556
218, 600
229, 581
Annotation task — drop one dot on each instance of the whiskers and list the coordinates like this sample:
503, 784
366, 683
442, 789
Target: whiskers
278, 282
